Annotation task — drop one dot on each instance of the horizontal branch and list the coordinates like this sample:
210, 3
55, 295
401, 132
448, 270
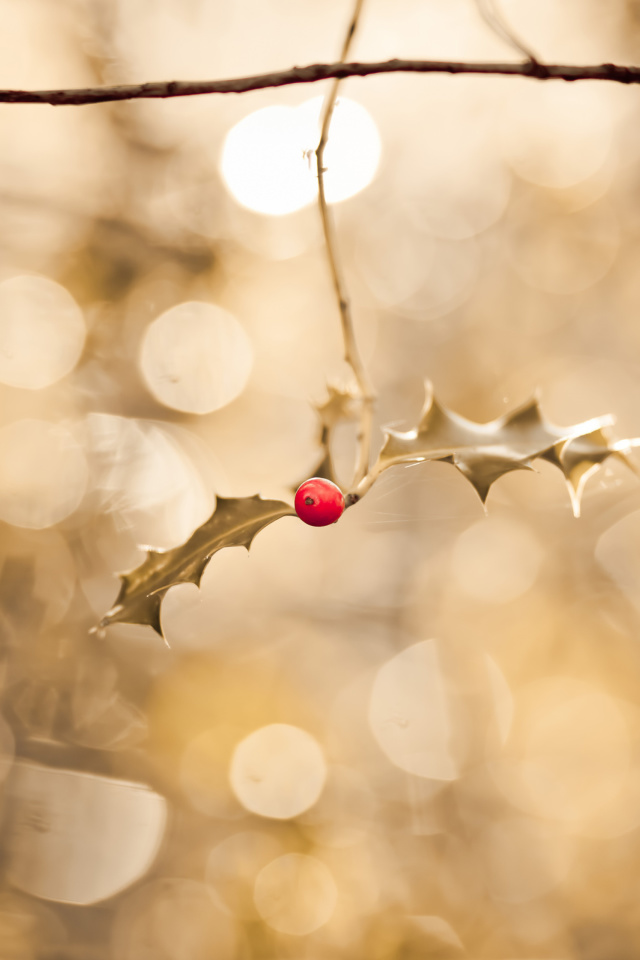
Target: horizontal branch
319, 71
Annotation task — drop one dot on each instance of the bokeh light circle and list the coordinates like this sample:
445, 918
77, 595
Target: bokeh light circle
42, 332
203, 773
525, 858
295, 894
108, 832
571, 749
268, 157
278, 771
150, 474
353, 150
345, 811
43, 473
496, 560
409, 713
196, 357
563, 251
569, 758
173, 919
558, 137
232, 868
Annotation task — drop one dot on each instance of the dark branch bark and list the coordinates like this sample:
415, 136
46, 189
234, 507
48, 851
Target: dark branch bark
316, 72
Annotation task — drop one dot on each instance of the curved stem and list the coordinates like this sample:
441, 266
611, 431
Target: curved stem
494, 19
351, 351
365, 484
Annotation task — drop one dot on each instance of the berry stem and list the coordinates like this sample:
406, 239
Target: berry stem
364, 485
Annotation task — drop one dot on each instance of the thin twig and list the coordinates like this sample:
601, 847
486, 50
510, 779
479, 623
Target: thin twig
313, 73
494, 18
366, 395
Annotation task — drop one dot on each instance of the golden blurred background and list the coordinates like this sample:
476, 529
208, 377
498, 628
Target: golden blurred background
412, 734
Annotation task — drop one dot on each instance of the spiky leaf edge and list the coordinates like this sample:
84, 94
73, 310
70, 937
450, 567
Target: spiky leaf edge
143, 588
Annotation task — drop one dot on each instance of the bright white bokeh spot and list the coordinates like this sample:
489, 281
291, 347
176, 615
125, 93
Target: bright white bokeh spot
353, 151
263, 162
42, 332
268, 158
496, 560
409, 714
196, 357
295, 894
278, 771
43, 474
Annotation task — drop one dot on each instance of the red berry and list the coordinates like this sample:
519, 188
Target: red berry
319, 502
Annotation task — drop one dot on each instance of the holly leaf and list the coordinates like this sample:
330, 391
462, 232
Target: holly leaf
340, 406
234, 523
484, 452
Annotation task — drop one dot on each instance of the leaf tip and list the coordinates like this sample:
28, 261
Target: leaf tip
154, 621
428, 395
575, 497
111, 614
620, 450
